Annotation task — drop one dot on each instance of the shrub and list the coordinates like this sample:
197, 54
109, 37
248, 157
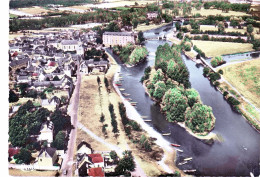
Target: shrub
206, 71
225, 93
233, 101
220, 71
180, 35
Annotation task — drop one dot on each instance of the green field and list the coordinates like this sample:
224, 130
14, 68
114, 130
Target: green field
245, 77
216, 48
12, 16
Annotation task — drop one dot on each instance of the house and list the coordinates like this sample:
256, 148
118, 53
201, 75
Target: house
13, 151
151, 15
118, 38
87, 161
84, 148
51, 104
23, 79
46, 131
47, 157
15, 64
89, 65
96, 172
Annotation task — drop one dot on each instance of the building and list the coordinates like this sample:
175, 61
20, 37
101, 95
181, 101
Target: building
152, 15
118, 38
95, 172
72, 46
46, 132
47, 157
88, 161
84, 148
89, 66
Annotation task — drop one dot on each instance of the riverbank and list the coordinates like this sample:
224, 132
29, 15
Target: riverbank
167, 164
246, 109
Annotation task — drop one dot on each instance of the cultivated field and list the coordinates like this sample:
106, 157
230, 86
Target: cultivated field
216, 48
207, 12
34, 10
15, 172
213, 28
245, 77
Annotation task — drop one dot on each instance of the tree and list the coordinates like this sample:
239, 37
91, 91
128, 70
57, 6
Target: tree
126, 164
24, 156
59, 141
102, 118
250, 29
221, 27
113, 155
256, 44
141, 36
56, 78
135, 23
60, 120
106, 82
13, 96
174, 105
200, 118
159, 90
98, 80
178, 26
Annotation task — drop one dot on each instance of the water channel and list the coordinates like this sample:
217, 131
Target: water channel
238, 154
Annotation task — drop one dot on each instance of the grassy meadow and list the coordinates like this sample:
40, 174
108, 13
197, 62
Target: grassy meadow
216, 48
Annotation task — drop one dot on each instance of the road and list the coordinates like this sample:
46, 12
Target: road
73, 112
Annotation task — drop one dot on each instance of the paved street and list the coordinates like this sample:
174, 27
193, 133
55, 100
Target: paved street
73, 112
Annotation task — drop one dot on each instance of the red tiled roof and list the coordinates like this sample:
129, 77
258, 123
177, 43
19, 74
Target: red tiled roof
15, 54
96, 158
52, 63
96, 172
13, 151
35, 74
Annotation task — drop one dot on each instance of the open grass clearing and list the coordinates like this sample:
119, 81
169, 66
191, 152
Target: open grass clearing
15, 172
12, 16
216, 48
207, 12
213, 28
245, 77
34, 10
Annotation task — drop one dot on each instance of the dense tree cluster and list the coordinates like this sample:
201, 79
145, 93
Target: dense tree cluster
216, 61
225, 6
113, 118
29, 3
28, 120
167, 86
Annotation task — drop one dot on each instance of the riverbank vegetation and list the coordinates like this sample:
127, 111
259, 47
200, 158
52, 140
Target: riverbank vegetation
217, 61
168, 84
131, 54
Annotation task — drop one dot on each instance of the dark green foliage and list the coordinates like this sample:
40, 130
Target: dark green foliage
25, 156
56, 78
126, 164
193, 96
113, 155
31, 94
220, 71
199, 118
179, 35
98, 80
60, 120
233, 101
102, 118
216, 83
178, 25
29, 3
225, 93
256, 44
59, 141
174, 105
122, 112
113, 118
134, 125
159, 90
13, 97
202, 54
23, 88
206, 71
141, 36
42, 95
104, 128
106, 82
214, 76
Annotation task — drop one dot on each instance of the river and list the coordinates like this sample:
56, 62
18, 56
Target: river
238, 154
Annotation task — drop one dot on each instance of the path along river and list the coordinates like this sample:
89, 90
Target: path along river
237, 154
